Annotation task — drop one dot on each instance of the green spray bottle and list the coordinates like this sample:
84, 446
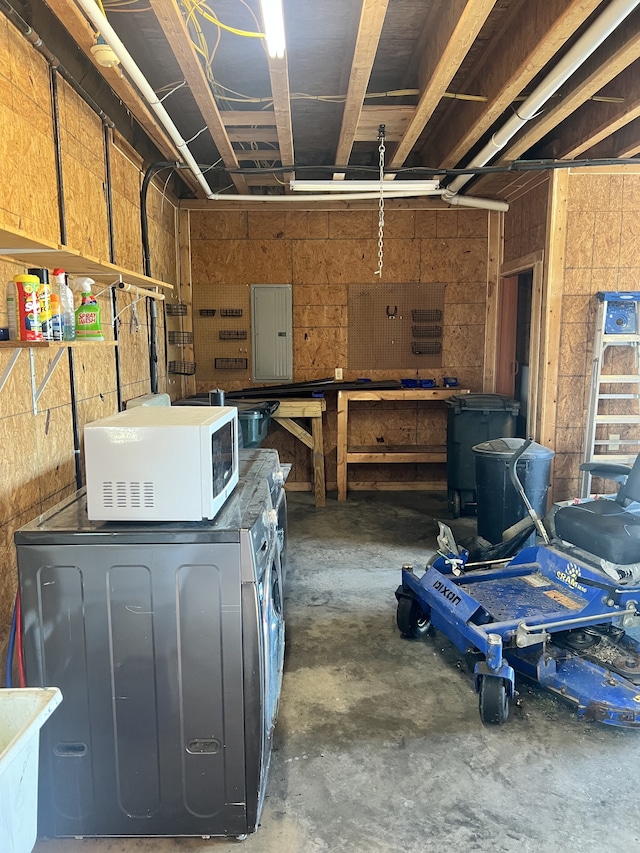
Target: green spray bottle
88, 327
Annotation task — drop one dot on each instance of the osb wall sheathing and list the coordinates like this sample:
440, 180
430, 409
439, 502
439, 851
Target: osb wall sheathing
525, 222
320, 253
37, 464
602, 254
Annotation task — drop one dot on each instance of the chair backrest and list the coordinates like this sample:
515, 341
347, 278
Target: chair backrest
630, 491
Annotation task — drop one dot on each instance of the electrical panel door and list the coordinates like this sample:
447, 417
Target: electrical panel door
271, 324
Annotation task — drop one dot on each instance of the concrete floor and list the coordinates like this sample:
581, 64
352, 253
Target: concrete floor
379, 746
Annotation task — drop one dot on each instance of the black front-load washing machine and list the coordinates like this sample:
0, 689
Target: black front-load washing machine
167, 641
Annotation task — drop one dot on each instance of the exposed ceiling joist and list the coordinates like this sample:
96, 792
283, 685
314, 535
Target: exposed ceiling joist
530, 38
371, 22
594, 121
450, 29
394, 118
279, 77
175, 30
248, 118
84, 35
617, 53
625, 142
252, 134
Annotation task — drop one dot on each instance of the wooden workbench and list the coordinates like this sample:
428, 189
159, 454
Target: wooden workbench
386, 453
312, 409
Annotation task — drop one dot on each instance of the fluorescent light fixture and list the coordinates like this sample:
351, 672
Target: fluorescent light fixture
273, 21
417, 187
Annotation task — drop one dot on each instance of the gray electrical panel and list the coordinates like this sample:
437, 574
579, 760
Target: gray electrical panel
272, 332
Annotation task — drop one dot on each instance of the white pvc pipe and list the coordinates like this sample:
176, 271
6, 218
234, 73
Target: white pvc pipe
476, 201
588, 42
126, 60
464, 201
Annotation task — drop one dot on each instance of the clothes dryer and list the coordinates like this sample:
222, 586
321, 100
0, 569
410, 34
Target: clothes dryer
167, 641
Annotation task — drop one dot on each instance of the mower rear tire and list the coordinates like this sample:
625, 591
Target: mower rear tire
493, 701
412, 621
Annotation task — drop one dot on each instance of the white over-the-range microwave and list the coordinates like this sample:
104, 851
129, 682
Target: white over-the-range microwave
161, 463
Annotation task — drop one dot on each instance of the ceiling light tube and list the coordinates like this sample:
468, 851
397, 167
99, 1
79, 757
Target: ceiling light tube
417, 187
273, 22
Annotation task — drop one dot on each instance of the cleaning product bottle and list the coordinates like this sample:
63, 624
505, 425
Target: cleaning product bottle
67, 308
56, 317
23, 308
44, 294
88, 326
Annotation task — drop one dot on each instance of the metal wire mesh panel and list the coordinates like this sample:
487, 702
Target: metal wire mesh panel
176, 309
186, 368
382, 326
180, 338
230, 363
232, 334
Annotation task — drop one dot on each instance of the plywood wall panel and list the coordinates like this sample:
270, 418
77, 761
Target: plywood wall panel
56, 466
607, 239
223, 225
307, 224
446, 224
401, 261
580, 232
267, 225
462, 259
320, 295
425, 224
350, 225
399, 223
19, 466
334, 261
320, 348
16, 398
307, 316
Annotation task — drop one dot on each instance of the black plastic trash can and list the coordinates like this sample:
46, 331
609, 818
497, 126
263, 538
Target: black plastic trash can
472, 419
499, 504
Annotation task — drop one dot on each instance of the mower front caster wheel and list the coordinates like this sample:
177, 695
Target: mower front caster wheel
412, 621
494, 700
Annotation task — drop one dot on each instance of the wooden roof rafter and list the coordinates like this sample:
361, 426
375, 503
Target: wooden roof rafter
450, 30
610, 60
526, 43
279, 77
372, 18
175, 30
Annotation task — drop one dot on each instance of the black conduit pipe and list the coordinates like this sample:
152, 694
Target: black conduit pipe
106, 138
152, 170
55, 113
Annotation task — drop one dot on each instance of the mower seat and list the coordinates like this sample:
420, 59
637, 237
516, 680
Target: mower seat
605, 527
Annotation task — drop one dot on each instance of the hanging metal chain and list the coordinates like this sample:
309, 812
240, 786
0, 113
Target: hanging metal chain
381, 150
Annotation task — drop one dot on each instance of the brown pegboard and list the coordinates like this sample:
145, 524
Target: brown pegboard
382, 322
209, 346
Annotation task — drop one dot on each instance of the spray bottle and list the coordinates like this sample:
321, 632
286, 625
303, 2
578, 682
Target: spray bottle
65, 294
88, 326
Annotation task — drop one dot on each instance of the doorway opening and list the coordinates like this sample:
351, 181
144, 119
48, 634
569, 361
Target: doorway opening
514, 371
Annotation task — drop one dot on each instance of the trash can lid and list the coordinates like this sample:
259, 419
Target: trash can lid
484, 402
506, 447
250, 410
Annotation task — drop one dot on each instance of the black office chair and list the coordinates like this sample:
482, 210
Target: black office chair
605, 527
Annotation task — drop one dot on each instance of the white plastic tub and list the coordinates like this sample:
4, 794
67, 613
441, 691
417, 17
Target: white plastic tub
23, 712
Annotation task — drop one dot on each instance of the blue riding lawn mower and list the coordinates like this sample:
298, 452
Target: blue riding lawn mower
558, 613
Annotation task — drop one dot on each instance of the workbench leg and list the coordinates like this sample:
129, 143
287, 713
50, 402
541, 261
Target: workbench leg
343, 408
319, 486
